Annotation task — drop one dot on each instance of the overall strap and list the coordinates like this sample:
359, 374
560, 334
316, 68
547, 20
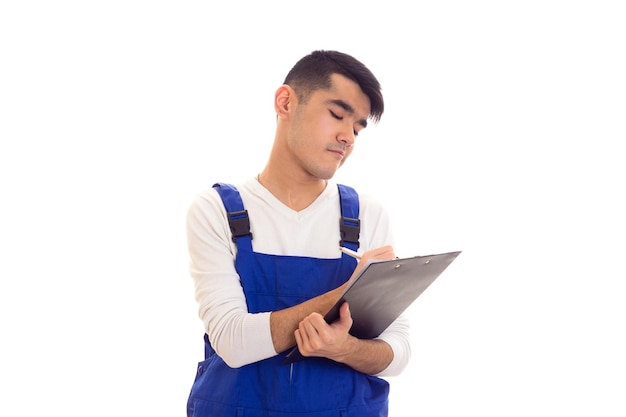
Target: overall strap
237, 216
349, 225
239, 222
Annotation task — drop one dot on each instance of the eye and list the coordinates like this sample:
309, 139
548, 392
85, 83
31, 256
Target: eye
336, 116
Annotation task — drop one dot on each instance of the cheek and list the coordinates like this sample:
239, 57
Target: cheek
324, 124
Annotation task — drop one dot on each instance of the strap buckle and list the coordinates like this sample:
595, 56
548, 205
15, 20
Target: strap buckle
349, 229
239, 223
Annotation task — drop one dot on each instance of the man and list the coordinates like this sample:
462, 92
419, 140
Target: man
266, 263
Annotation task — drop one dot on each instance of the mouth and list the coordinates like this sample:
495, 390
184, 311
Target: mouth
339, 152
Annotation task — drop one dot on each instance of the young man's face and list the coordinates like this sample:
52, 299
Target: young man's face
323, 130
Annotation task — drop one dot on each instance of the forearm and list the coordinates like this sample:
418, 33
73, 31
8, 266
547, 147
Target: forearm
284, 323
367, 356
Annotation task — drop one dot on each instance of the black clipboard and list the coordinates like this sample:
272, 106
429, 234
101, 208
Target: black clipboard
382, 291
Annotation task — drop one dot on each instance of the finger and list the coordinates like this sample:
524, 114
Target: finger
308, 329
345, 318
302, 342
344, 311
310, 339
382, 253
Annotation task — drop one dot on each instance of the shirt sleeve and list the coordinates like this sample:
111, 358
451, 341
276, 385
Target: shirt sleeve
218, 292
377, 231
397, 336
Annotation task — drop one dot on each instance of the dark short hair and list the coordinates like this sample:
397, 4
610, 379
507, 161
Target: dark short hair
313, 72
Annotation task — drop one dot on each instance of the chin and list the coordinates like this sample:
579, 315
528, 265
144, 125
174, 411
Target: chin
324, 173
328, 175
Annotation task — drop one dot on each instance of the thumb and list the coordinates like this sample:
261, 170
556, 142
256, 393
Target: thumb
345, 318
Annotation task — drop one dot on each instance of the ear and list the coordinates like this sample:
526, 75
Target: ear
285, 100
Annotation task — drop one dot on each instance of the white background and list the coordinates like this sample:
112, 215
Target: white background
503, 137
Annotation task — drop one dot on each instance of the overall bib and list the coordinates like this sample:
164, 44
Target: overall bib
314, 387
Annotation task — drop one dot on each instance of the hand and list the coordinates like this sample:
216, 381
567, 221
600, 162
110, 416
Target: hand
384, 253
315, 337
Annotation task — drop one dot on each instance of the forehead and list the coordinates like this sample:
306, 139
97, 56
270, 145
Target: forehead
345, 90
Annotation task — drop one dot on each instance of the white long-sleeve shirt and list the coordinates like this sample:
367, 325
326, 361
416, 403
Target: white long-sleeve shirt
238, 336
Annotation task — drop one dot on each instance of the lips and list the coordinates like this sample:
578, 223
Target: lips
339, 152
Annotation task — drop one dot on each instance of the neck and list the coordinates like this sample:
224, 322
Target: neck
295, 193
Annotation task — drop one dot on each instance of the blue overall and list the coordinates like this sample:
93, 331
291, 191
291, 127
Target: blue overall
314, 387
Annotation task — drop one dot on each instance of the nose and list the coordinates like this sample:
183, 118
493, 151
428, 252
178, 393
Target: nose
347, 136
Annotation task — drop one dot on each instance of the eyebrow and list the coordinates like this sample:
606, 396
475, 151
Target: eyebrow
349, 109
